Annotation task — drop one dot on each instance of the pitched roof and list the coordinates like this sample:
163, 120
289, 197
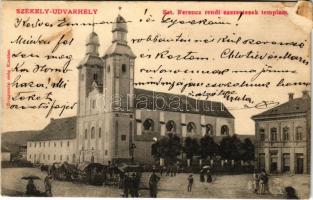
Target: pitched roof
152, 100
58, 129
117, 48
91, 60
294, 106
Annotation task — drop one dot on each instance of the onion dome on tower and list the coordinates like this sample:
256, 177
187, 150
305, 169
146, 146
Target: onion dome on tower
92, 53
119, 42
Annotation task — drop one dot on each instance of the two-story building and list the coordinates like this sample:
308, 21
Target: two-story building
55, 143
283, 136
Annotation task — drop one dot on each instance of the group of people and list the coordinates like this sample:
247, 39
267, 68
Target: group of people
130, 184
171, 170
208, 176
202, 178
31, 189
260, 182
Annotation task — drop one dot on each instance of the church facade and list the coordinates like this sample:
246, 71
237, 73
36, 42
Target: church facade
115, 119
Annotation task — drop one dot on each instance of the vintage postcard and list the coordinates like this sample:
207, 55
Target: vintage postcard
156, 99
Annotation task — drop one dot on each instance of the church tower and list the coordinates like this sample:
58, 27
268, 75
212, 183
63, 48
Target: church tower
89, 120
119, 90
90, 71
119, 64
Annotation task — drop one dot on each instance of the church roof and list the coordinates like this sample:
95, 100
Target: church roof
58, 129
117, 48
91, 60
293, 106
93, 39
120, 24
155, 100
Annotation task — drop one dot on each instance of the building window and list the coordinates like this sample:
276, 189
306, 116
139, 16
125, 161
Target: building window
209, 129
224, 130
299, 134
148, 125
106, 152
30, 144
93, 103
67, 158
170, 126
273, 134
286, 162
61, 143
54, 157
60, 157
74, 158
49, 144
86, 134
262, 134
123, 137
44, 156
191, 127
68, 143
299, 165
108, 68
92, 132
123, 68
35, 144
55, 144
99, 132
49, 157
95, 77
44, 144
286, 133
30, 156
39, 144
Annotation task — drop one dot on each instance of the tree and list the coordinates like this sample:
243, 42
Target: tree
173, 147
225, 148
248, 148
208, 147
231, 148
191, 147
155, 150
168, 147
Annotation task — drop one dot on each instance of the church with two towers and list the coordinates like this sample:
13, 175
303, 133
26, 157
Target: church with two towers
115, 120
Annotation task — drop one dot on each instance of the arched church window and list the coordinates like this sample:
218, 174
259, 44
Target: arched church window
123, 68
209, 129
224, 130
171, 126
191, 127
99, 132
148, 125
108, 68
92, 132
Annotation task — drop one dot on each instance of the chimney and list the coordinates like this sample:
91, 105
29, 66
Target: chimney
305, 94
290, 96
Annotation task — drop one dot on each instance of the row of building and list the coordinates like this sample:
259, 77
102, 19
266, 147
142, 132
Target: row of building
106, 130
